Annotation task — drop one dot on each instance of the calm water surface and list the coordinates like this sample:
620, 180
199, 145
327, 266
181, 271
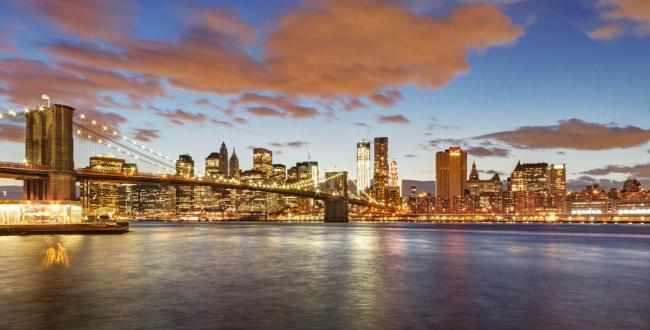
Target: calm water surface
260, 276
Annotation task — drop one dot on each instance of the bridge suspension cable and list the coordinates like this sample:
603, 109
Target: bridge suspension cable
110, 141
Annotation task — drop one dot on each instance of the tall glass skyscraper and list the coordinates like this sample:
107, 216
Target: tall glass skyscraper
363, 166
381, 169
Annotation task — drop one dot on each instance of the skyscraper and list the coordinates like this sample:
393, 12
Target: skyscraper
263, 161
394, 174
223, 160
363, 166
234, 165
451, 175
380, 187
558, 187
394, 193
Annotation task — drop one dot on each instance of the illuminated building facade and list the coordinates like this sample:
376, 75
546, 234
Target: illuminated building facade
279, 173
263, 161
394, 193
380, 177
223, 161
102, 199
558, 189
185, 166
213, 165
451, 178
363, 166
184, 194
308, 171
486, 195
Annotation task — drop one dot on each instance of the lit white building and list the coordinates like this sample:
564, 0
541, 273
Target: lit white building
363, 166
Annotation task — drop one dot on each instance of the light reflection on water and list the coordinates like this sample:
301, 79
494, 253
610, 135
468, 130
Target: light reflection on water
55, 255
255, 276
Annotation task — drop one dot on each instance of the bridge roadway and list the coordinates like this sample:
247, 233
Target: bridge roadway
20, 171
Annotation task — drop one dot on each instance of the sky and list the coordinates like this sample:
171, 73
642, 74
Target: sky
509, 80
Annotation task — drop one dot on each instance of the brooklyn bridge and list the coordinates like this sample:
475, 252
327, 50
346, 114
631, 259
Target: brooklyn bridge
49, 174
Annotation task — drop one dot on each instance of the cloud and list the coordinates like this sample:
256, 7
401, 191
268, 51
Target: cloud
386, 99
363, 47
618, 13
606, 32
12, 133
146, 135
573, 134
290, 144
221, 122
111, 120
265, 112
88, 19
353, 104
639, 171
71, 84
635, 10
436, 124
228, 25
180, 117
279, 104
488, 152
445, 142
241, 121
579, 184
335, 48
394, 119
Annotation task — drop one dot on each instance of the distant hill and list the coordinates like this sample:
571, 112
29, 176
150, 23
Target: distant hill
12, 192
421, 186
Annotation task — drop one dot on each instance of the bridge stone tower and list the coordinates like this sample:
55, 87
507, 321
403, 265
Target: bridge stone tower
49, 144
336, 208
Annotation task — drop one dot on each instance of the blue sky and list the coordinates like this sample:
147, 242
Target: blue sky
529, 64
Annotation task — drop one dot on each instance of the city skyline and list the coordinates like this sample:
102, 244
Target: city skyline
590, 112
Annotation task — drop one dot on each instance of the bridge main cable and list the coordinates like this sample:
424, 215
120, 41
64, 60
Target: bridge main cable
134, 150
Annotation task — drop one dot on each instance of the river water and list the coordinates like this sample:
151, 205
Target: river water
320, 276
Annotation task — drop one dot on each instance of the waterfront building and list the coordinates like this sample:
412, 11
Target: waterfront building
538, 188
486, 195
101, 199
451, 178
530, 185
591, 201
381, 170
558, 189
263, 161
363, 166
